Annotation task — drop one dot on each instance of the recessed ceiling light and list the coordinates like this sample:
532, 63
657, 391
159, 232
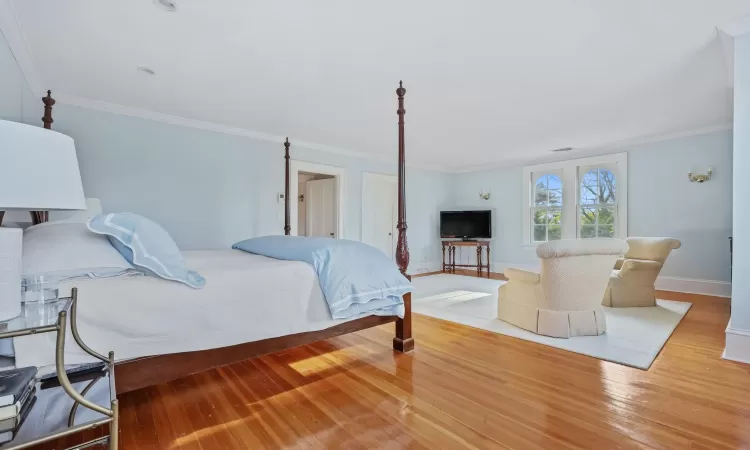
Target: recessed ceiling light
166, 5
146, 70
564, 149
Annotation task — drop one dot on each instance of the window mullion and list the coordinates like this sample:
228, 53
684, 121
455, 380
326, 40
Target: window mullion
569, 220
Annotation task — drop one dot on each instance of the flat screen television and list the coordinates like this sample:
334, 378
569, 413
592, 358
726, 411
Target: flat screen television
466, 224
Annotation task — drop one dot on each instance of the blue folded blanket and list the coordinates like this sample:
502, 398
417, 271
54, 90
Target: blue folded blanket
356, 279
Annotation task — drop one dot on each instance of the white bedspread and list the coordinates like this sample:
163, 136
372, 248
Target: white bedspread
246, 298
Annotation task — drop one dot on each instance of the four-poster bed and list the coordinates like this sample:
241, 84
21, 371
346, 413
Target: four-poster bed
142, 372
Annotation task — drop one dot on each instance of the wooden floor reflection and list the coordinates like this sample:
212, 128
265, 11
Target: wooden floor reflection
460, 388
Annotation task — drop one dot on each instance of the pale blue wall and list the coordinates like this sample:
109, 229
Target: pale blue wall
741, 281
661, 202
210, 189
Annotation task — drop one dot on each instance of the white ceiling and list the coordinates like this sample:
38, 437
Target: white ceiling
488, 81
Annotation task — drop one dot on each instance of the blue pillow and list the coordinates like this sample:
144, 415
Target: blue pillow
146, 245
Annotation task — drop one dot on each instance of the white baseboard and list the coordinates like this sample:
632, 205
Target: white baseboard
695, 286
424, 267
737, 345
676, 284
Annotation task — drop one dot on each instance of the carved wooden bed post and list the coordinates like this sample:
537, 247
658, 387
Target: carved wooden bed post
38, 217
403, 341
287, 200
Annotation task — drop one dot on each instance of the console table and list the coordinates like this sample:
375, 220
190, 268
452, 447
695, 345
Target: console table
451, 265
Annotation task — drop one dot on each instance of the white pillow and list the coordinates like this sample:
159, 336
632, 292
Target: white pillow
65, 250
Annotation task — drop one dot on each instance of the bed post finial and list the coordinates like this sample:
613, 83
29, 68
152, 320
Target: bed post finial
49, 102
287, 220
403, 341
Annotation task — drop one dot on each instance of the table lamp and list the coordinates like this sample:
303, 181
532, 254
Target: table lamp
38, 172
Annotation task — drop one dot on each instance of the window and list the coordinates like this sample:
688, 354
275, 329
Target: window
581, 198
547, 209
598, 209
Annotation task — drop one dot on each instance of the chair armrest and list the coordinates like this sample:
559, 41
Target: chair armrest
618, 264
524, 276
633, 265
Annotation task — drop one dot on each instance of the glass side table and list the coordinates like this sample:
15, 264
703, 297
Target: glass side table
56, 411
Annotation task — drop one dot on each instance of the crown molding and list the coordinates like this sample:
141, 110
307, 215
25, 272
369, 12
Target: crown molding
604, 149
145, 114
612, 147
619, 145
10, 28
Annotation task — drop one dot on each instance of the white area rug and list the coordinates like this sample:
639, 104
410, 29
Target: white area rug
634, 336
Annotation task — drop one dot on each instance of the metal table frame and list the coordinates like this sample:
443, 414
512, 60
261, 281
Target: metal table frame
111, 415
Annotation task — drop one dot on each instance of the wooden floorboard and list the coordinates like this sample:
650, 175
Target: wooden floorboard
460, 388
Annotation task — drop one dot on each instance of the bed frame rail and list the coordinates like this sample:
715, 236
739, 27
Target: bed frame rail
144, 372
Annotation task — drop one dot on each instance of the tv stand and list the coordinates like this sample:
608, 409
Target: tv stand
450, 266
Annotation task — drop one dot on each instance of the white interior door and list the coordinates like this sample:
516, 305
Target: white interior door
320, 208
379, 213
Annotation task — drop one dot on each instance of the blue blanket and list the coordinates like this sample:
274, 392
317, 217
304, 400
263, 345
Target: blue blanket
356, 279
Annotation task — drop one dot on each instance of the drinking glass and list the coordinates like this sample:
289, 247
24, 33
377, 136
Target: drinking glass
39, 289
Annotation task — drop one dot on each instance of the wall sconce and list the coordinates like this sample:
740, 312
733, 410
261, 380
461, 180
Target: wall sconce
484, 196
700, 178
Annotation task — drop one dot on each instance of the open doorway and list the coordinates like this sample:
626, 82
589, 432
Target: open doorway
316, 204
318, 190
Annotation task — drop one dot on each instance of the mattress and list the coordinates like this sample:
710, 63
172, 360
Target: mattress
246, 298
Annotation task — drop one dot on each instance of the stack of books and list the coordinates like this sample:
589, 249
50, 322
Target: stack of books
17, 396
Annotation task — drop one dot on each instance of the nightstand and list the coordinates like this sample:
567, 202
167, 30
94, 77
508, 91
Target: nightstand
64, 407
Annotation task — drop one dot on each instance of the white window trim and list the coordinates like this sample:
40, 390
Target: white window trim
569, 171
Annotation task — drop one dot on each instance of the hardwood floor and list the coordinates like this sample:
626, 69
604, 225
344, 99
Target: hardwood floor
460, 388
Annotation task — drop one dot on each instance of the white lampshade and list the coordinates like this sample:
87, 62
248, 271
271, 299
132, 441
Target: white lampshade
38, 169
38, 172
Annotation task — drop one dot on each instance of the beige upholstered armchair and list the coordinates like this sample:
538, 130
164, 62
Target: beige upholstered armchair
632, 281
563, 300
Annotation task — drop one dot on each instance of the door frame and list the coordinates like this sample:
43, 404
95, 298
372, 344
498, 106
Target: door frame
339, 174
367, 179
